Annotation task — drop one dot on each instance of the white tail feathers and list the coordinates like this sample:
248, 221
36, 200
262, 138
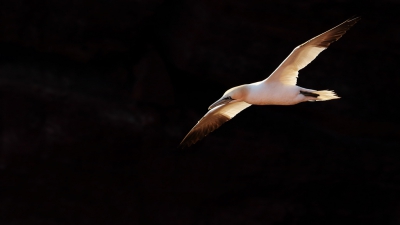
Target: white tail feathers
325, 95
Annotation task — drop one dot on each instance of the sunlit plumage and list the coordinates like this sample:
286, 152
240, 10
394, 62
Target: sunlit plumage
278, 89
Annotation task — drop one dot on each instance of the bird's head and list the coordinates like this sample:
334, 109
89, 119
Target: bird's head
234, 94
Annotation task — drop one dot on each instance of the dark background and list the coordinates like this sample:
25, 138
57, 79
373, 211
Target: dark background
96, 96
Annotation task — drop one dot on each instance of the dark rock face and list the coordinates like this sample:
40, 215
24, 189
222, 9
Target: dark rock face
96, 96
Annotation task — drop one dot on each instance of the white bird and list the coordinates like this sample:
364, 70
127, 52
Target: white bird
278, 89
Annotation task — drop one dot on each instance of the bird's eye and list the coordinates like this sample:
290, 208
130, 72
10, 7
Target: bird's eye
229, 97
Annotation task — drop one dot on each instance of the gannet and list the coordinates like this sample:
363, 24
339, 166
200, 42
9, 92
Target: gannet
278, 89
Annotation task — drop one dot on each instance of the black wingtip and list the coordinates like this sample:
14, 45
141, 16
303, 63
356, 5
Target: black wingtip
353, 20
202, 129
354, 17
187, 141
181, 146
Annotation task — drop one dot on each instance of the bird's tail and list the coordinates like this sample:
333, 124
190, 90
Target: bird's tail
325, 95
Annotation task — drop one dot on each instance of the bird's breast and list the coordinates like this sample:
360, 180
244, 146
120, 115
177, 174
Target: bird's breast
272, 94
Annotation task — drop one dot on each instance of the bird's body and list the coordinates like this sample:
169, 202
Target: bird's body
278, 89
274, 93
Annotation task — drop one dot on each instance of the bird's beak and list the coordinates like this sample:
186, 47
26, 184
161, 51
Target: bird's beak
221, 101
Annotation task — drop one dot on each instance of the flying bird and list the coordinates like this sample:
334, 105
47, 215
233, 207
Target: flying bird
278, 89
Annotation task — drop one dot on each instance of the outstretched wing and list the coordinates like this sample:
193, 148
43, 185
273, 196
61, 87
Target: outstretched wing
212, 120
303, 54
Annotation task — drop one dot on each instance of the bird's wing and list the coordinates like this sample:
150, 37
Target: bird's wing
303, 54
212, 120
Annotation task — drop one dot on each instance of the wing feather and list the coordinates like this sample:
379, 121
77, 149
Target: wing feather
303, 54
212, 120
